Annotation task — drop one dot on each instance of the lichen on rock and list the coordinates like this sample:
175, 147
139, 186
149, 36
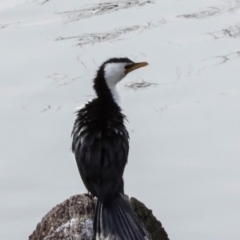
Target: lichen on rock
73, 220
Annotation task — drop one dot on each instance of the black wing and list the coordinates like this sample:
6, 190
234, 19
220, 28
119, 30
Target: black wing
101, 149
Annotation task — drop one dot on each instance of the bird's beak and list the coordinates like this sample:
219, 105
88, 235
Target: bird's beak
135, 66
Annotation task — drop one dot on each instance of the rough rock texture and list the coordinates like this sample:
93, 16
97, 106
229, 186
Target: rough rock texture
153, 226
73, 219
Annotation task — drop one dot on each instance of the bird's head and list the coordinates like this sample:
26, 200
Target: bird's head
113, 71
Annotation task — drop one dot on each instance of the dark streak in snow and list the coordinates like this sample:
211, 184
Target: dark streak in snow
33, 109
113, 35
213, 11
102, 8
61, 79
140, 85
231, 32
223, 59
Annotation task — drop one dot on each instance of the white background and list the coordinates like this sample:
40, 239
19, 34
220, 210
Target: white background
184, 127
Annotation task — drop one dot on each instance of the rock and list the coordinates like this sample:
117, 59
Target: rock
73, 220
153, 226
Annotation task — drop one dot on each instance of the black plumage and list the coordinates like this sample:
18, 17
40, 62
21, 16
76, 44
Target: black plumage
101, 144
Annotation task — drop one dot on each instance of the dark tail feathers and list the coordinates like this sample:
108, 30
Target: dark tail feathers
117, 221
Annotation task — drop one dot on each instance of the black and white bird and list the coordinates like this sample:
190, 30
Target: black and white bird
100, 145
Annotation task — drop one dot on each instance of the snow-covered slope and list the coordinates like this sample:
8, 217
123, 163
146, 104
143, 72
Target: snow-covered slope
183, 109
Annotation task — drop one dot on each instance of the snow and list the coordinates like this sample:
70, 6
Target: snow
184, 126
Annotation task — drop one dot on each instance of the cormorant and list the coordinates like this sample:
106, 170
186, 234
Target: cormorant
100, 145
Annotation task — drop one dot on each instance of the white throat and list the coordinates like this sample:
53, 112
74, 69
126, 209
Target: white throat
114, 73
115, 94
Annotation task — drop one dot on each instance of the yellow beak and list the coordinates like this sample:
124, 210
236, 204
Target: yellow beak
135, 66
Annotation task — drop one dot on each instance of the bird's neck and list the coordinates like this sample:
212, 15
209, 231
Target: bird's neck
107, 93
114, 93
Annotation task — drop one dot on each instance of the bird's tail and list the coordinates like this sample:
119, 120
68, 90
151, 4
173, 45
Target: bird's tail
117, 221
